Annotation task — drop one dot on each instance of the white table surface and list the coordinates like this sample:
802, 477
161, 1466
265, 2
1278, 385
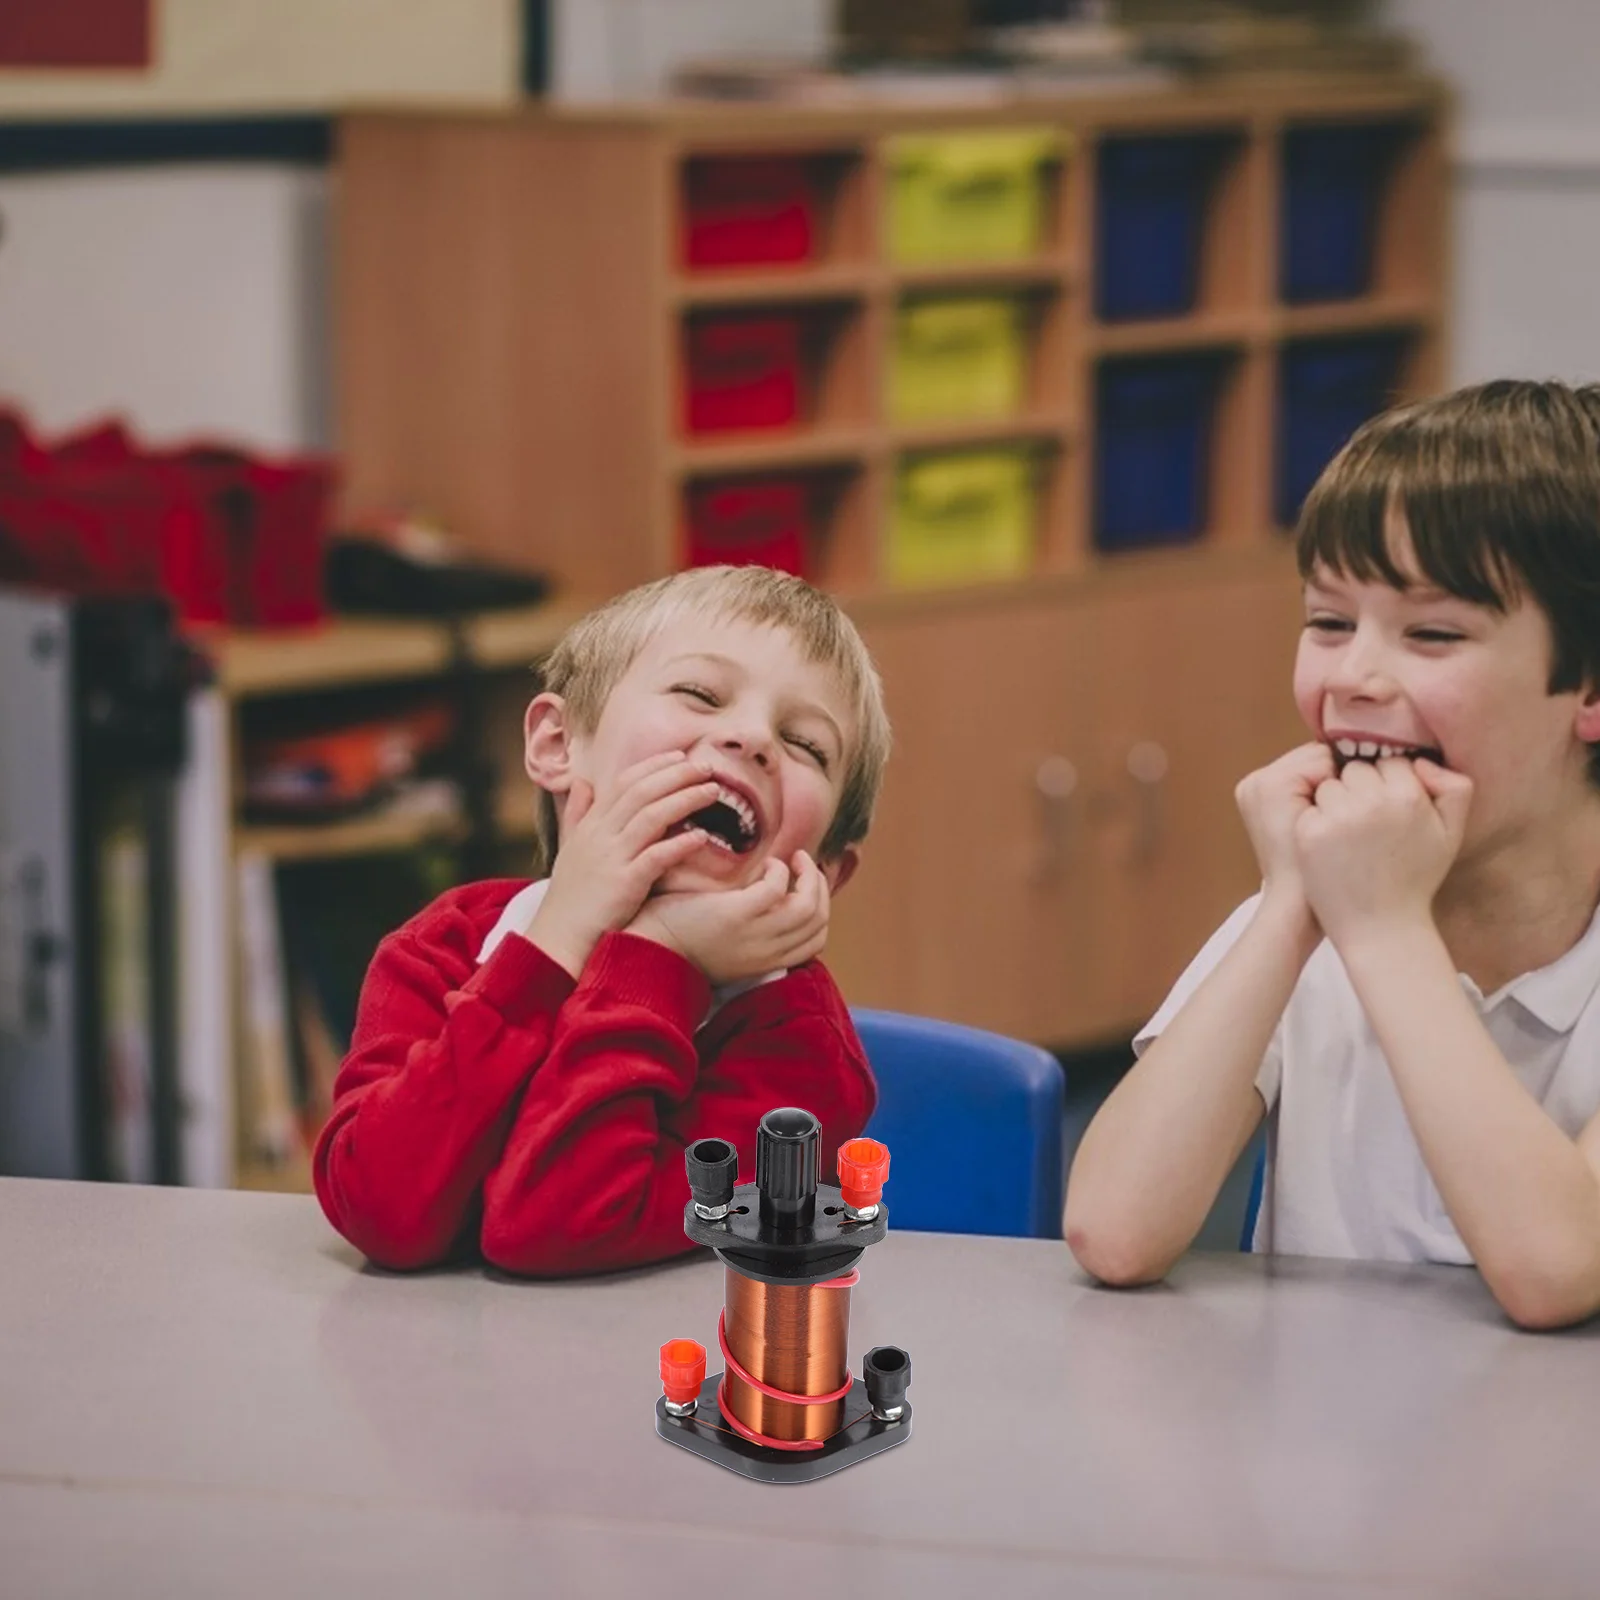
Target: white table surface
208, 1394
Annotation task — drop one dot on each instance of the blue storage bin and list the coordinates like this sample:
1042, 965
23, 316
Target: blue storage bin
1150, 198
1333, 181
1326, 389
1152, 449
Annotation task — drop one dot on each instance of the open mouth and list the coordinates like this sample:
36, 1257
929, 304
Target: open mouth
1377, 750
729, 823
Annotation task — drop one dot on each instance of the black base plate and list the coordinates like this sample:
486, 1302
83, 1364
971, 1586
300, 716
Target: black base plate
707, 1434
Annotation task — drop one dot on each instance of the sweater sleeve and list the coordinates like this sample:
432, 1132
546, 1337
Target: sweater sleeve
592, 1175
441, 1051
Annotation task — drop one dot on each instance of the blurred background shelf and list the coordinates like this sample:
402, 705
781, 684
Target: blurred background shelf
1034, 386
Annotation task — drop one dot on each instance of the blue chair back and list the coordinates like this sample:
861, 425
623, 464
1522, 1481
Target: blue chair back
1252, 1206
973, 1122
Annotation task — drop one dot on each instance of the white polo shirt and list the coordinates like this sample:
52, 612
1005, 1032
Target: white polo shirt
1345, 1176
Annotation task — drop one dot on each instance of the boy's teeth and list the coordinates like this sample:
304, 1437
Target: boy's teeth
1370, 749
740, 807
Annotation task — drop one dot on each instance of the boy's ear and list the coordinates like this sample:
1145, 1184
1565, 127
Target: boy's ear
547, 743
1587, 725
842, 868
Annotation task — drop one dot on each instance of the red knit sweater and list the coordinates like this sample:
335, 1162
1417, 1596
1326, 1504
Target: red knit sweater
545, 1119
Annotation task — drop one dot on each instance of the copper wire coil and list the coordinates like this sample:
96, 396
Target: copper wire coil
793, 1338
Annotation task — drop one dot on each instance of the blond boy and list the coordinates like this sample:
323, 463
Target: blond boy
530, 1058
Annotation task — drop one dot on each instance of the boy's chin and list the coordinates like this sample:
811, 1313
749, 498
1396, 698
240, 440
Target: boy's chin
711, 868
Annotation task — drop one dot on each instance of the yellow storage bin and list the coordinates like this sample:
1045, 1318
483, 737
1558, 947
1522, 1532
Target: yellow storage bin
962, 517
968, 196
960, 357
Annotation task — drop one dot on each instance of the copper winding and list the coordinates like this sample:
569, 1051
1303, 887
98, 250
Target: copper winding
791, 1338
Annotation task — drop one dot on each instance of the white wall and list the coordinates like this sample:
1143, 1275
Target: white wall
604, 48
239, 56
188, 299
194, 299
1528, 180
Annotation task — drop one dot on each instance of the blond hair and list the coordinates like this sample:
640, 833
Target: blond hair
598, 649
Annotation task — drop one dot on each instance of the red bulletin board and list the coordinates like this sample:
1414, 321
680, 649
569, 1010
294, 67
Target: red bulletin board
75, 33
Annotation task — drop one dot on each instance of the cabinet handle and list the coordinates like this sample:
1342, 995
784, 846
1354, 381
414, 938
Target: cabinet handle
1055, 782
1147, 766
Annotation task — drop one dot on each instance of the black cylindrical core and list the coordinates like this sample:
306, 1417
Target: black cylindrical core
888, 1374
713, 1168
786, 1167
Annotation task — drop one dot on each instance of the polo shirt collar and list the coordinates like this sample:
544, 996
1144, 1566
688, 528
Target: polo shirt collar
1556, 995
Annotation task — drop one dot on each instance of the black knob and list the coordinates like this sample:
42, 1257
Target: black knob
888, 1374
713, 1168
787, 1153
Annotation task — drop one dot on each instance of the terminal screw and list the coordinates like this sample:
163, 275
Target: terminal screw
683, 1370
713, 1168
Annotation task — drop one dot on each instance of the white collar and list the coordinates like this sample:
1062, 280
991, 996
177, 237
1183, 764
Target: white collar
1556, 994
519, 912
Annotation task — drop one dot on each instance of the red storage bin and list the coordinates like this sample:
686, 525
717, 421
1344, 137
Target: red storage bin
93, 515
750, 523
748, 210
743, 372
229, 537
255, 554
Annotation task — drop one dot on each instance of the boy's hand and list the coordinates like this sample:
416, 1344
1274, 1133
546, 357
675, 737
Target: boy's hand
1271, 801
614, 848
1378, 842
776, 922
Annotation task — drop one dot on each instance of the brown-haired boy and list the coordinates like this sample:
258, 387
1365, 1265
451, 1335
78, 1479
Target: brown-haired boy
1414, 995
530, 1059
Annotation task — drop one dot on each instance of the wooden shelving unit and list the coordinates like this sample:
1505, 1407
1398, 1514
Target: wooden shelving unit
584, 472
284, 669
278, 665
512, 312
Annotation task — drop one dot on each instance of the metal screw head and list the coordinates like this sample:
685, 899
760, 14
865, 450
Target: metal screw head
861, 1213
710, 1213
684, 1410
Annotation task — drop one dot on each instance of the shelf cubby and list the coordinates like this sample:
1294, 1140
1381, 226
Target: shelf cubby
611, 450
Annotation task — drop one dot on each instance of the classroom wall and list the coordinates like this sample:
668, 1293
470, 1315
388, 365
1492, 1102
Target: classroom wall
604, 48
1528, 180
195, 298
235, 56
190, 299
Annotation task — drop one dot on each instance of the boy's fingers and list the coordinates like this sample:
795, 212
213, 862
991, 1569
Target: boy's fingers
661, 857
662, 761
651, 822
808, 949
1440, 781
1332, 794
1450, 791
803, 868
650, 781
768, 891
804, 912
618, 792
1313, 761
810, 892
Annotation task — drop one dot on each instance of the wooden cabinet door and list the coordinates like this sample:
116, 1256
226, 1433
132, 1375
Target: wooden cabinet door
965, 906
1192, 691
1057, 834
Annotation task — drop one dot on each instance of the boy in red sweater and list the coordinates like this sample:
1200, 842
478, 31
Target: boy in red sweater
530, 1059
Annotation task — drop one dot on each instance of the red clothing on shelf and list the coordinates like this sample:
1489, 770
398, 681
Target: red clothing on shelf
546, 1119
